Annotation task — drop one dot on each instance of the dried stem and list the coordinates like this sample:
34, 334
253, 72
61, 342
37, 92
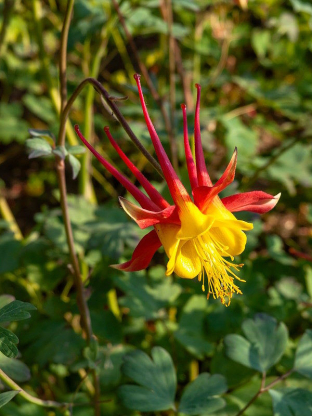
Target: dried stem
150, 85
264, 389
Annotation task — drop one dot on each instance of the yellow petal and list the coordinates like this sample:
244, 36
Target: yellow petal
187, 263
193, 222
167, 234
183, 258
232, 239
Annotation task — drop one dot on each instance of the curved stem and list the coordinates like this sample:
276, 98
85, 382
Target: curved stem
277, 380
44, 403
100, 89
264, 389
259, 392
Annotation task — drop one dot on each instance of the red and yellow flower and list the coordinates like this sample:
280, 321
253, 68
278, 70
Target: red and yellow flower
200, 235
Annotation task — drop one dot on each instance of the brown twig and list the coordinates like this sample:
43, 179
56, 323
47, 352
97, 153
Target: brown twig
264, 389
150, 85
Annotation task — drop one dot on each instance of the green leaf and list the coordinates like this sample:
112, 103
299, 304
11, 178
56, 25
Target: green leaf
190, 332
8, 342
64, 347
12, 125
7, 396
200, 396
185, 4
303, 358
38, 147
261, 40
15, 369
265, 344
10, 250
5, 300
60, 151
243, 137
291, 402
156, 378
110, 371
41, 107
45, 134
145, 298
76, 150
302, 6
16, 311
75, 164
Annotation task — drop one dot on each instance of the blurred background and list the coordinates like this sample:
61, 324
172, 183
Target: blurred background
253, 61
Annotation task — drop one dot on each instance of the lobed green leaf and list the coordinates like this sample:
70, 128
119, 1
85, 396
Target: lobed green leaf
156, 378
265, 344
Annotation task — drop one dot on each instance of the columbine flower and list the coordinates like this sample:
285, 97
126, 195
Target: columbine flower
200, 235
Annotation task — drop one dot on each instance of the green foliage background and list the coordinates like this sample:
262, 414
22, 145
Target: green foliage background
254, 65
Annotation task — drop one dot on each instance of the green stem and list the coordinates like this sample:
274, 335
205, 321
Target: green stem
7, 10
7, 215
85, 187
44, 403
